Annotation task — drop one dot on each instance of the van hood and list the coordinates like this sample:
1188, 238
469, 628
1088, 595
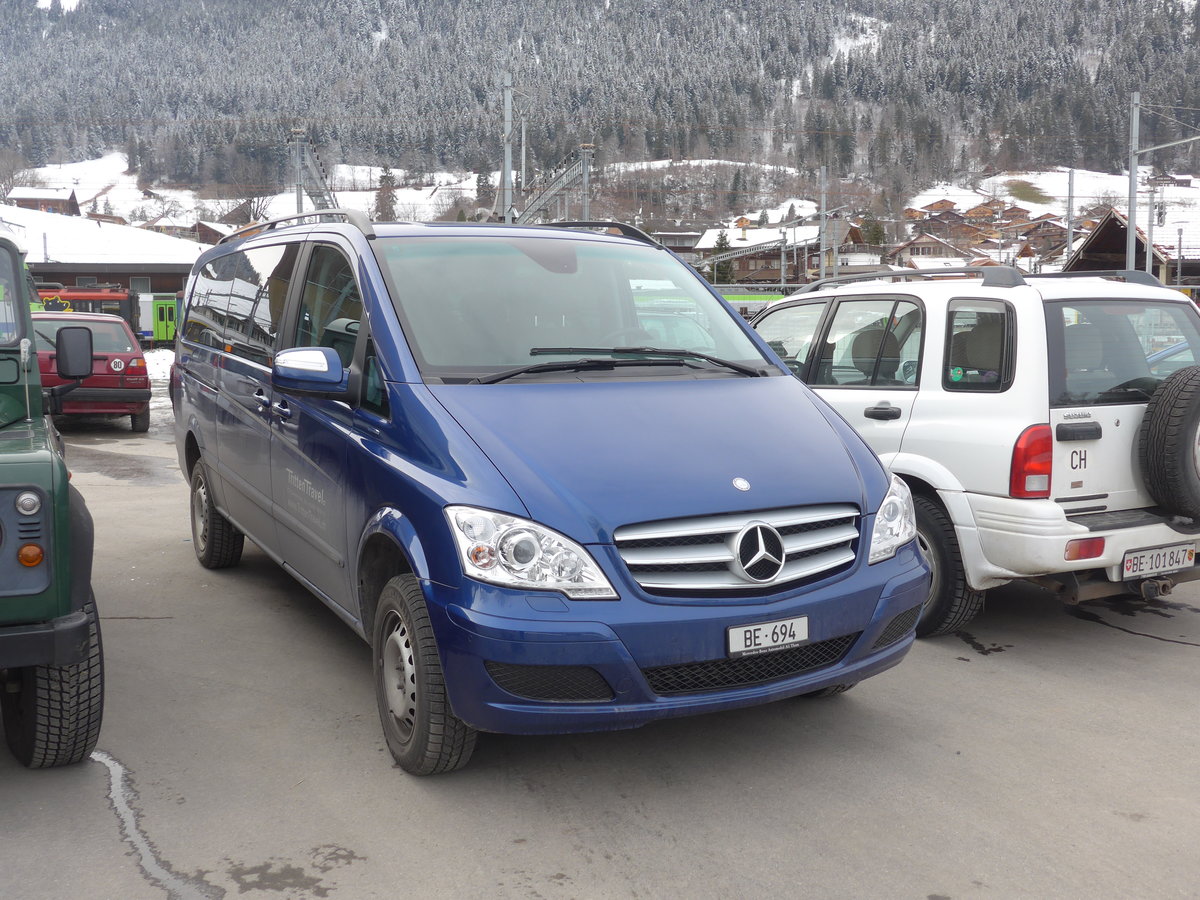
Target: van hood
588, 457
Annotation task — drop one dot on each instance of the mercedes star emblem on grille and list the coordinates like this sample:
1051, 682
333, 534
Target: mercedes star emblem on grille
760, 555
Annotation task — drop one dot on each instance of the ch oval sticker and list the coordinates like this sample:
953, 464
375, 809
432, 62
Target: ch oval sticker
741, 484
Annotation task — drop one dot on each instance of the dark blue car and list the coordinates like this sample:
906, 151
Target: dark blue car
546, 508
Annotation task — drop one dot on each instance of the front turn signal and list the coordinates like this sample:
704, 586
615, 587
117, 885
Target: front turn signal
30, 555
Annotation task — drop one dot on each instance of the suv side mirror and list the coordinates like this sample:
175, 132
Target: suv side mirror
309, 370
73, 352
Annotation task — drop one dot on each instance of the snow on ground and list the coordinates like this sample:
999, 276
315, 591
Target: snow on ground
158, 363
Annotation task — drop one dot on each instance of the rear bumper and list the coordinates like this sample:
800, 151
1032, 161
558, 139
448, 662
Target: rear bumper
1009, 539
59, 642
627, 663
106, 400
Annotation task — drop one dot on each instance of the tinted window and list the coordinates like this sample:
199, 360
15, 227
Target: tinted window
978, 352
331, 306
8, 298
210, 301
256, 300
1116, 351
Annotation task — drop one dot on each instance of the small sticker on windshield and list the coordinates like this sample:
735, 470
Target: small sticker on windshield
956, 374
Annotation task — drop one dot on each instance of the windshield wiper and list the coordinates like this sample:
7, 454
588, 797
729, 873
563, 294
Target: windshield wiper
568, 365
669, 353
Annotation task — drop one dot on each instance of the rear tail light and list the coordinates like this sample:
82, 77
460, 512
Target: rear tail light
1085, 548
1031, 463
138, 363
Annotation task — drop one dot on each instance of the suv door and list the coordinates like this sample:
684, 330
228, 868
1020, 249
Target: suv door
868, 366
311, 434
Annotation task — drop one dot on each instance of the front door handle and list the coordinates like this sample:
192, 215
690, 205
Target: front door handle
884, 411
281, 409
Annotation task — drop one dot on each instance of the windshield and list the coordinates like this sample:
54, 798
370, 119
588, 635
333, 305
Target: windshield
10, 296
1106, 351
476, 306
107, 337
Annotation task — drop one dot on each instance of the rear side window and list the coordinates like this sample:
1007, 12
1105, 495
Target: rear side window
331, 306
873, 343
979, 346
1105, 351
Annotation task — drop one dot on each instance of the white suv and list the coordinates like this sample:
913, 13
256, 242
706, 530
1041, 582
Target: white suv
1047, 426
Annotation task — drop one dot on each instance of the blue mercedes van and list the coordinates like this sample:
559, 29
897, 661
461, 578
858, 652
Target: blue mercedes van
546, 472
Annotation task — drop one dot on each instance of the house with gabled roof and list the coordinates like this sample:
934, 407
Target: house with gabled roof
938, 206
55, 200
926, 246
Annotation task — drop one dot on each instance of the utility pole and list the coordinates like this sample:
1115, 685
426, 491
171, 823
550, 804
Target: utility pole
1179, 257
297, 139
506, 172
1135, 120
1151, 216
585, 155
1070, 215
821, 230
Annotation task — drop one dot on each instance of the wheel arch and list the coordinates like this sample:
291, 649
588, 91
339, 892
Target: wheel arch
389, 546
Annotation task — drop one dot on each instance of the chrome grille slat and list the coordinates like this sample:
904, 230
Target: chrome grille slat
701, 554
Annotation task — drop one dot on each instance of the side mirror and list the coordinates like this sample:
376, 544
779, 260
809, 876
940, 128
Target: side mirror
309, 370
73, 352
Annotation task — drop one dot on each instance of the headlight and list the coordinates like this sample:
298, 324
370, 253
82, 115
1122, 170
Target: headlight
895, 523
514, 552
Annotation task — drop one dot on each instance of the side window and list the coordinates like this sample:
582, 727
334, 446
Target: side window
209, 304
874, 342
789, 332
257, 299
978, 346
374, 391
331, 306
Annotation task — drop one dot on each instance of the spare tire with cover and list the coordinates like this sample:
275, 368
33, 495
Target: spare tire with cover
1169, 443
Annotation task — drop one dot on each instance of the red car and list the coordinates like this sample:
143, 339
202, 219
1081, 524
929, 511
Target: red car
119, 384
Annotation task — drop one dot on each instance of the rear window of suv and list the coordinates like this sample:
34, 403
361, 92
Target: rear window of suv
1105, 351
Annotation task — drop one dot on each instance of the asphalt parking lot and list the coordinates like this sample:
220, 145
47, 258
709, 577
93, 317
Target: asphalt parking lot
1041, 753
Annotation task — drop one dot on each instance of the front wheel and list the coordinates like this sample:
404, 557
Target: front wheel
52, 713
218, 544
422, 732
951, 603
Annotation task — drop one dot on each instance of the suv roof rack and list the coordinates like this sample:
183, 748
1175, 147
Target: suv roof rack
629, 231
993, 276
355, 217
1131, 276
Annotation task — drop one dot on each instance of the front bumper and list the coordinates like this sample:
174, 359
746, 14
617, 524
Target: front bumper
857, 628
59, 642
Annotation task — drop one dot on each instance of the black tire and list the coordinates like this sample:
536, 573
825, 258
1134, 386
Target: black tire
53, 716
218, 544
1167, 443
140, 420
832, 691
422, 733
951, 603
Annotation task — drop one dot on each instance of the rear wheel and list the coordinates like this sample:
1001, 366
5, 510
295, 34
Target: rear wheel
423, 734
951, 603
52, 713
217, 542
140, 420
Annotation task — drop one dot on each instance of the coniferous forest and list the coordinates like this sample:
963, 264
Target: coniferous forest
202, 92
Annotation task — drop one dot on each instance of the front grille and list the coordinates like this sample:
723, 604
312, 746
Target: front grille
898, 628
559, 684
720, 674
680, 556
29, 529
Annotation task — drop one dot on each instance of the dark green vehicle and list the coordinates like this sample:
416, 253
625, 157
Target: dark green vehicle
51, 665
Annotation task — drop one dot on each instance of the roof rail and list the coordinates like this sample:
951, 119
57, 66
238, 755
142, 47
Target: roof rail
629, 231
1131, 276
355, 217
992, 276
